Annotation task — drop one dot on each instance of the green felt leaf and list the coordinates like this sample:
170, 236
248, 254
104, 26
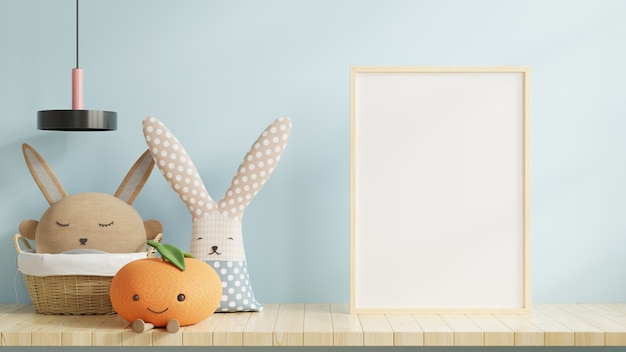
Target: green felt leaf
171, 253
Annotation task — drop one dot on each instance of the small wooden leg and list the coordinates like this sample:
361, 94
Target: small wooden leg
173, 325
141, 326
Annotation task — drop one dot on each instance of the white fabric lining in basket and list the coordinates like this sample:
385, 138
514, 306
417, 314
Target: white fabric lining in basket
96, 264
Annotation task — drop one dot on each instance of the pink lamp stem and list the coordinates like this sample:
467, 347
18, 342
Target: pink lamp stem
77, 89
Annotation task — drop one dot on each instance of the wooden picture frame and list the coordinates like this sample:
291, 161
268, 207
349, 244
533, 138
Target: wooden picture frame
439, 208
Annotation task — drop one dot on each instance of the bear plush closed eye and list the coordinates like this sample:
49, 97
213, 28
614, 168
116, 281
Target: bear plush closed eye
91, 221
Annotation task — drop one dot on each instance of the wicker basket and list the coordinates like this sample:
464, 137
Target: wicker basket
69, 294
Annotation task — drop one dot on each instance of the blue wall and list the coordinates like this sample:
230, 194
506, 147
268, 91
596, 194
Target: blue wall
217, 72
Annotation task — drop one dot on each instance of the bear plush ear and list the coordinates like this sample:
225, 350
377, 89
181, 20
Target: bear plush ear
135, 178
153, 228
45, 178
28, 228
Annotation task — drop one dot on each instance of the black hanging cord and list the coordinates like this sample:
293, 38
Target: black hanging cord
77, 34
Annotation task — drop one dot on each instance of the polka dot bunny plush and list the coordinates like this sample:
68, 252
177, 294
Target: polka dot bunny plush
216, 225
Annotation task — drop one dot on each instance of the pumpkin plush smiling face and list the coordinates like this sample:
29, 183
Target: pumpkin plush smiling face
157, 292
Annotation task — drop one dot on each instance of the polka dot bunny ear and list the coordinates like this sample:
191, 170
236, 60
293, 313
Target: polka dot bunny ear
256, 168
180, 172
177, 168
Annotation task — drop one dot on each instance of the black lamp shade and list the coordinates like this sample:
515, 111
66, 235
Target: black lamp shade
76, 120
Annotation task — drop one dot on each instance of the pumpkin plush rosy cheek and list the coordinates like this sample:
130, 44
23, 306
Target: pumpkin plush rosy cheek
157, 292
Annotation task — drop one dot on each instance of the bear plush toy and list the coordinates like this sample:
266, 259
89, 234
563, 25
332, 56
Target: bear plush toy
89, 222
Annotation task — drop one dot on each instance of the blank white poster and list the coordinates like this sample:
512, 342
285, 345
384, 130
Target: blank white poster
439, 189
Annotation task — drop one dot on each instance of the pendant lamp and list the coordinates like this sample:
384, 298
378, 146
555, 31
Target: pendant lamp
77, 119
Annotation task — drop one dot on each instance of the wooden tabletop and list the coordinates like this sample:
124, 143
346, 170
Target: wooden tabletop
330, 325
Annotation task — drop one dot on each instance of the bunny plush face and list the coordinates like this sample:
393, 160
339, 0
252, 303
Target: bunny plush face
89, 222
216, 225
217, 237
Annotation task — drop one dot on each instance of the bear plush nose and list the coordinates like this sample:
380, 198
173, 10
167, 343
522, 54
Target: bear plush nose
83, 241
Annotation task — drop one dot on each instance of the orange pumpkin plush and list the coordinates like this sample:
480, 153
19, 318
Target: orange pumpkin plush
173, 291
